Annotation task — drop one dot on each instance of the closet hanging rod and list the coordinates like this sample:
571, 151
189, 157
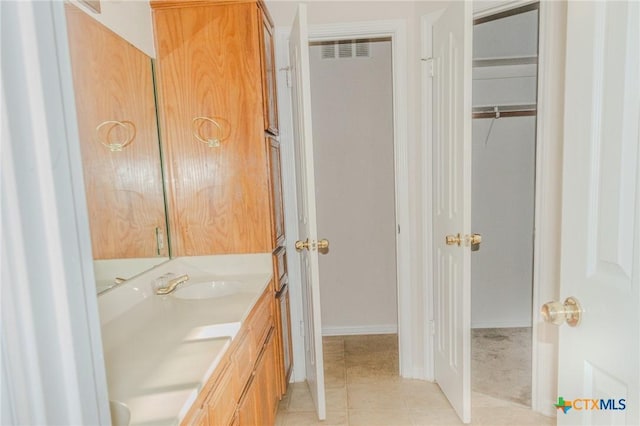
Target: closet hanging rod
499, 111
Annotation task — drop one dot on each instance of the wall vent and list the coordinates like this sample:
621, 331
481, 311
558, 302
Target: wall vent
362, 48
344, 49
328, 50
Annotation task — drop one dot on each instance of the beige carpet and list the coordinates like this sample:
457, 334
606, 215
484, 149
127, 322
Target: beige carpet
501, 363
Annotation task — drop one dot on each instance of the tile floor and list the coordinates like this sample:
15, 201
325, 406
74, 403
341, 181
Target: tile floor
363, 388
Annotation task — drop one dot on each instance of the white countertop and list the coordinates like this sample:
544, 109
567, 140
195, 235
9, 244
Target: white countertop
157, 355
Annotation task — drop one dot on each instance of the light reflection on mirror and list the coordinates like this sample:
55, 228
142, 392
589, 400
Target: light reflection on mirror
115, 104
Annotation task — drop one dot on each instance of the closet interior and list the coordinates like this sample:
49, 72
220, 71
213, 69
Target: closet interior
505, 53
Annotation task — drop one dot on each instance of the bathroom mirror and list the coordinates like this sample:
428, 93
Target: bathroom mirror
116, 108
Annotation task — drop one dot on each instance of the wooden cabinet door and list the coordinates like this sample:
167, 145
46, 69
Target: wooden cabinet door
287, 345
248, 409
200, 418
269, 91
221, 404
259, 404
277, 220
269, 371
208, 68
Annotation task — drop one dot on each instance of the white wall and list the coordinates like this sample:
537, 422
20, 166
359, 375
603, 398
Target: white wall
352, 103
503, 173
503, 209
509, 37
131, 20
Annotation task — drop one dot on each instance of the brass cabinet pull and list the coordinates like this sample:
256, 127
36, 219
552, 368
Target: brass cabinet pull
212, 141
104, 129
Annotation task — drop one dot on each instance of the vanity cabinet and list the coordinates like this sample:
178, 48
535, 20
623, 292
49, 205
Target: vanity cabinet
243, 389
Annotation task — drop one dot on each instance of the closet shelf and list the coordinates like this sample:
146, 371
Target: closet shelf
505, 61
492, 69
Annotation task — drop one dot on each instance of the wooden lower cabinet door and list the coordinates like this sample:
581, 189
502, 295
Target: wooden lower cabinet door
271, 396
200, 418
221, 404
248, 409
236, 421
259, 404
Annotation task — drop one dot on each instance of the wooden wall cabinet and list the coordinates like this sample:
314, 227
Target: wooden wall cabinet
277, 205
209, 68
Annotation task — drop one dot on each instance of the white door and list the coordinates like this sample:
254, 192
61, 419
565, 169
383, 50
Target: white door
452, 204
307, 225
600, 260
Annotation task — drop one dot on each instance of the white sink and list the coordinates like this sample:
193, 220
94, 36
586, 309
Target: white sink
207, 289
120, 413
214, 331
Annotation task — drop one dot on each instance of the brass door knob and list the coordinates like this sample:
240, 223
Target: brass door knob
323, 244
452, 240
556, 313
301, 245
475, 239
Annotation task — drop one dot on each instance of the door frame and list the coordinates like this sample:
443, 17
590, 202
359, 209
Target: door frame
396, 30
547, 215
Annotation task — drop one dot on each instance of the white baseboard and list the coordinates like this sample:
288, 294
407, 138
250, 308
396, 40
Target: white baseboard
417, 374
501, 324
360, 329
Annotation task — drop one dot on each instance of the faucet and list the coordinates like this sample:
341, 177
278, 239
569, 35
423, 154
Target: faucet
172, 284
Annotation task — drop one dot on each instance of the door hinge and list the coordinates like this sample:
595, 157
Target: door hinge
432, 328
430, 68
287, 71
398, 229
